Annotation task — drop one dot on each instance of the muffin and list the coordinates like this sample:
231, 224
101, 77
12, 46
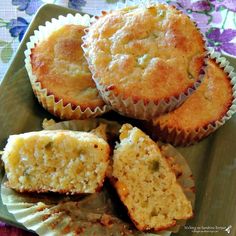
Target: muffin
146, 184
60, 161
203, 112
59, 73
145, 60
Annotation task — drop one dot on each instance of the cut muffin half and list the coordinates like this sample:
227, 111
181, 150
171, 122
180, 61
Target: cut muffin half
58, 161
146, 184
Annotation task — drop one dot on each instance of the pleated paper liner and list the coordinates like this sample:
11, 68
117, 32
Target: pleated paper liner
185, 138
48, 101
183, 174
54, 214
111, 127
140, 109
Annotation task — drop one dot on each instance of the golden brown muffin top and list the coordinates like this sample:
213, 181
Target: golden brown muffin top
146, 53
61, 68
208, 104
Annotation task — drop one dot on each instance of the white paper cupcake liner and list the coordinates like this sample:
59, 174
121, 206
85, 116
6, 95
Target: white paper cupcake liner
142, 110
95, 214
48, 101
111, 127
184, 178
60, 215
185, 138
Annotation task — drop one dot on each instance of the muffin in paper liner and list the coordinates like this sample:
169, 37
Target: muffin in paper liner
54, 214
134, 105
161, 128
54, 104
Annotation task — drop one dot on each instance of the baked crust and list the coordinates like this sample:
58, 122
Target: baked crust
61, 68
207, 105
147, 54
